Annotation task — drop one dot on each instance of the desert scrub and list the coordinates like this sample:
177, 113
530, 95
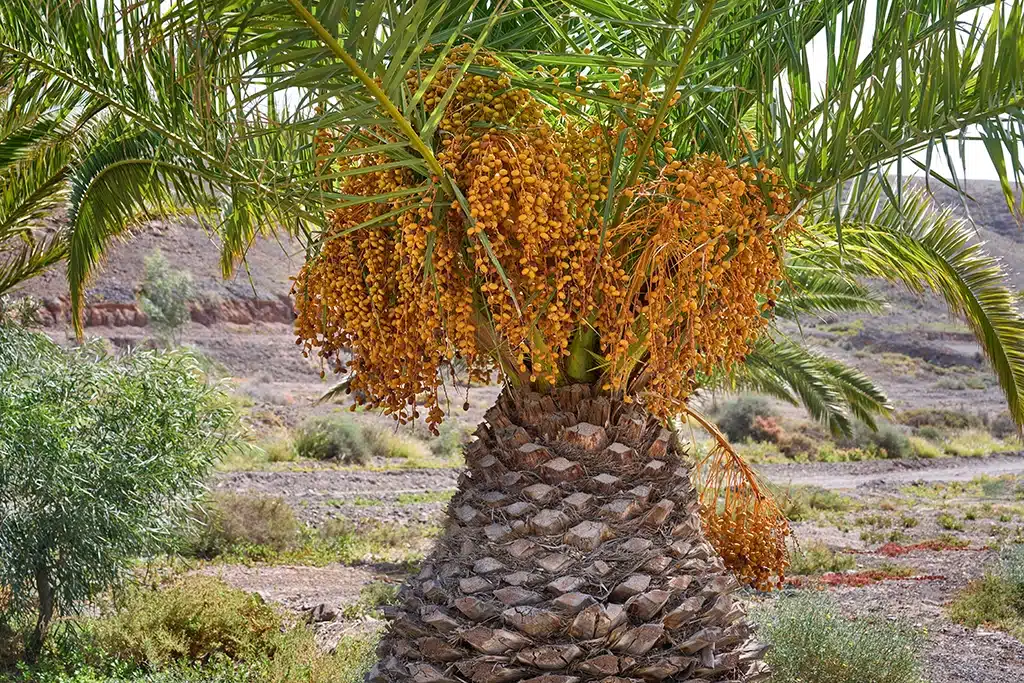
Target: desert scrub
353, 543
818, 558
949, 522
233, 522
736, 418
372, 597
194, 619
801, 503
997, 599
811, 642
332, 438
101, 457
165, 297
977, 442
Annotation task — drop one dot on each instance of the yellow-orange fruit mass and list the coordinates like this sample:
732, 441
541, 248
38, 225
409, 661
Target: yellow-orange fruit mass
504, 274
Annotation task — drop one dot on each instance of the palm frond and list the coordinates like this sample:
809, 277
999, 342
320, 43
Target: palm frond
809, 289
926, 249
833, 393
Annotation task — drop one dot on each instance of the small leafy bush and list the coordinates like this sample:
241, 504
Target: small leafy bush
101, 458
231, 521
332, 438
449, 441
372, 597
1002, 426
811, 642
888, 440
736, 418
194, 619
941, 418
165, 296
800, 503
949, 522
818, 558
997, 599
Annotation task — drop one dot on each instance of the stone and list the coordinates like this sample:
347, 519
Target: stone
494, 641
530, 456
514, 596
487, 565
541, 494
559, 470
320, 613
549, 521
657, 515
606, 483
632, 585
550, 657
585, 436
588, 536
578, 501
532, 621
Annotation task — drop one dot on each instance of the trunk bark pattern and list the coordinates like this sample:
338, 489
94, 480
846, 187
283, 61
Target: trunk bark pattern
573, 552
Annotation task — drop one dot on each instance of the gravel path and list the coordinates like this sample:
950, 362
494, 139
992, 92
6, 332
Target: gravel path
849, 475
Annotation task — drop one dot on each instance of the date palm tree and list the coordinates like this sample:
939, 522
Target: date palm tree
605, 204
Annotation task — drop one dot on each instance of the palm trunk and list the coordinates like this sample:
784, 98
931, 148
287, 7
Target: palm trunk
573, 552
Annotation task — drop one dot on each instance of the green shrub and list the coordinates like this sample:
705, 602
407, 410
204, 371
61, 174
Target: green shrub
949, 522
888, 440
194, 619
101, 458
996, 600
332, 438
387, 443
1002, 426
818, 558
924, 448
940, 418
449, 441
736, 418
165, 297
800, 503
372, 596
231, 521
811, 642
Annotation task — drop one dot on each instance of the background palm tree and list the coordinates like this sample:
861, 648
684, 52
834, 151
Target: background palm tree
574, 548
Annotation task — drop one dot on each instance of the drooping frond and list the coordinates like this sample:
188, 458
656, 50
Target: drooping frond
923, 249
808, 289
833, 393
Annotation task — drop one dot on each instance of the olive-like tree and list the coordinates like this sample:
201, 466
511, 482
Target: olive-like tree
101, 458
592, 200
